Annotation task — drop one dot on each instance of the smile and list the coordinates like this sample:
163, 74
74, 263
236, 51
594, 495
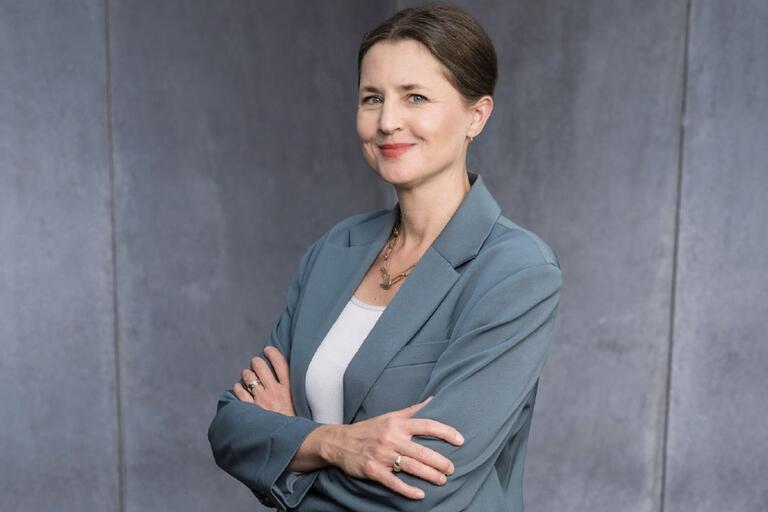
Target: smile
394, 150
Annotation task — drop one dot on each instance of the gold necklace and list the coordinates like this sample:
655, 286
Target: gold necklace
388, 280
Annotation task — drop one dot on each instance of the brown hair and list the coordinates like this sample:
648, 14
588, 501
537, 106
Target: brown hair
455, 39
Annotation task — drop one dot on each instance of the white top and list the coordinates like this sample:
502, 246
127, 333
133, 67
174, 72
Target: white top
325, 374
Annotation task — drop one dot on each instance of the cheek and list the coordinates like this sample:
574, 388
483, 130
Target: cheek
436, 127
366, 133
366, 126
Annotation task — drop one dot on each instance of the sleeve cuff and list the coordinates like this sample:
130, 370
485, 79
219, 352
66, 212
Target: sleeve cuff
287, 487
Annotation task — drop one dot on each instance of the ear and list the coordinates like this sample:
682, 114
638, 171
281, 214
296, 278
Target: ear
481, 111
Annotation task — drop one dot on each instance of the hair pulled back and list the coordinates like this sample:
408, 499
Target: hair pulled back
456, 40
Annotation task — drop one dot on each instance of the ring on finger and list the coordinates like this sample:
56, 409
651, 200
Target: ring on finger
252, 384
396, 466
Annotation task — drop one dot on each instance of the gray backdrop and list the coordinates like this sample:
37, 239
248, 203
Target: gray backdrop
153, 155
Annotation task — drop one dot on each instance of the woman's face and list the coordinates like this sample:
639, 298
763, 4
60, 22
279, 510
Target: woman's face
405, 98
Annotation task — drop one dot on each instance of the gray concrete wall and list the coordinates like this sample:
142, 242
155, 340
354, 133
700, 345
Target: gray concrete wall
717, 454
59, 422
163, 165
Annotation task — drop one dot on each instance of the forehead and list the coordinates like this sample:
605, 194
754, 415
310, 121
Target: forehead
405, 61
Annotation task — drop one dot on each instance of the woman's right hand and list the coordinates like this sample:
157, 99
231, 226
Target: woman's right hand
369, 448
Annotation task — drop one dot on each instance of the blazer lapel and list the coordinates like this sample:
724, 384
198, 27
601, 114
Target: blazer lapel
409, 309
340, 267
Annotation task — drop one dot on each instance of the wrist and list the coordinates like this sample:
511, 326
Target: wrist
311, 453
328, 441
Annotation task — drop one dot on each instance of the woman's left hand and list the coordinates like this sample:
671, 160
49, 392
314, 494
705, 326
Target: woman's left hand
273, 394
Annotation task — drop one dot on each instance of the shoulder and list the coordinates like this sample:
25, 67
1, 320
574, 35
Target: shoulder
514, 247
514, 272
335, 234
344, 224
512, 259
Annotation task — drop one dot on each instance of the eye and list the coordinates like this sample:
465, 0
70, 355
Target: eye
419, 99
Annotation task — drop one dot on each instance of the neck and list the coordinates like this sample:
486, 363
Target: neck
427, 208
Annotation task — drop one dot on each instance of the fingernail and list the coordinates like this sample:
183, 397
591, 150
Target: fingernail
460, 439
420, 493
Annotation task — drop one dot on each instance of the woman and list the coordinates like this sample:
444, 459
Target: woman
406, 328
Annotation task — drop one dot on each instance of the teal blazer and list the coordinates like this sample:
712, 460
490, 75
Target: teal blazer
471, 325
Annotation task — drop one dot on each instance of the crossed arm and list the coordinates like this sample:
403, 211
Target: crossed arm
481, 386
253, 444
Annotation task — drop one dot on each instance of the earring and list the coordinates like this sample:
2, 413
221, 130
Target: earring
471, 138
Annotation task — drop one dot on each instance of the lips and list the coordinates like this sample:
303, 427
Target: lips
395, 150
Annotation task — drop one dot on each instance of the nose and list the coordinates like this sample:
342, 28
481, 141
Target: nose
390, 118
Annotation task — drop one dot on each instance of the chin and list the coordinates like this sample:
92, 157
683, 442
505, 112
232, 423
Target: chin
400, 175
394, 172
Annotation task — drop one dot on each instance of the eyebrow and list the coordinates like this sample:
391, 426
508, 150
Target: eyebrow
404, 87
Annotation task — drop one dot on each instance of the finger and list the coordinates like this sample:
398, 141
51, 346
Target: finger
388, 479
424, 402
261, 368
415, 407
417, 468
411, 409
241, 393
425, 462
248, 376
279, 363
429, 427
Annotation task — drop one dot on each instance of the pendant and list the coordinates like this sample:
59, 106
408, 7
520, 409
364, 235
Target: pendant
387, 279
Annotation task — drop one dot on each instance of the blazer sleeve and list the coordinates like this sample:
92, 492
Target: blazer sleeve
481, 385
253, 444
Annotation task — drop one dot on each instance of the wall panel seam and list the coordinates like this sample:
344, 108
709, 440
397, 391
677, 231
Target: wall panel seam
675, 250
120, 499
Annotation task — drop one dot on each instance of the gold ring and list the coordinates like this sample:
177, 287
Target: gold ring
396, 466
252, 384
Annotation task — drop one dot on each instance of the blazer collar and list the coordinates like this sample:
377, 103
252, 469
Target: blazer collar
341, 265
460, 239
